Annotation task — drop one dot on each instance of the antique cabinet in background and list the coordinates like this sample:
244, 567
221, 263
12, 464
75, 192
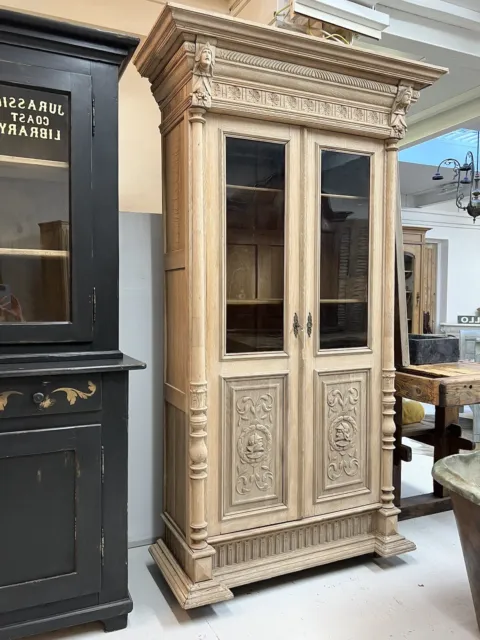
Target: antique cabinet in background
63, 380
420, 259
280, 174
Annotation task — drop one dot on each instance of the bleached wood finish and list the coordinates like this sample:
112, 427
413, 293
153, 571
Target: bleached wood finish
282, 460
424, 280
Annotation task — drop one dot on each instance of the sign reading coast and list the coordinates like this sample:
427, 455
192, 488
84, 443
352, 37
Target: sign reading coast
34, 123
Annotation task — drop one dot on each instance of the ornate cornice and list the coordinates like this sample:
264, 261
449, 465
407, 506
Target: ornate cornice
194, 58
179, 24
289, 68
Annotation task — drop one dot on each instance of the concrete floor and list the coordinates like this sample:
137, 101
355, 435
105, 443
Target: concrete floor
423, 595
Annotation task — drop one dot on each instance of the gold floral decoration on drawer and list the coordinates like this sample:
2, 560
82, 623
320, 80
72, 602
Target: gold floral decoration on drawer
72, 395
4, 398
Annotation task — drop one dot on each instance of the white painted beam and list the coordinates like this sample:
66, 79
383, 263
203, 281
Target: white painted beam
417, 33
437, 10
346, 14
434, 197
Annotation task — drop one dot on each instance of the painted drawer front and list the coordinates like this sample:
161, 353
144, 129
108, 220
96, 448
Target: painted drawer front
24, 397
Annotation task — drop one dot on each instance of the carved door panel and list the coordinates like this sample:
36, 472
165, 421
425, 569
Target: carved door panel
253, 295
341, 400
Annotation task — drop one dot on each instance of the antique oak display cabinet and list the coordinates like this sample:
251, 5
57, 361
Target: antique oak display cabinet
280, 174
63, 381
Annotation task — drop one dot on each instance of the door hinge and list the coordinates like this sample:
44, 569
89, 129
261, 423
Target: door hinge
103, 464
102, 547
94, 123
94, 305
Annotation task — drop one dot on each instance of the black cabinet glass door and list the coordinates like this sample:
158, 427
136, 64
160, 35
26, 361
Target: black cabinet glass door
45, 205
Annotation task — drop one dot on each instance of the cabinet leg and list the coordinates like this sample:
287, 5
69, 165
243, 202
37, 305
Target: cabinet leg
115, 624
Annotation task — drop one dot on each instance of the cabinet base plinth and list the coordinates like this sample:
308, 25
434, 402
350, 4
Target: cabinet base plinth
188, 593
267, 552
109, 615
388, 546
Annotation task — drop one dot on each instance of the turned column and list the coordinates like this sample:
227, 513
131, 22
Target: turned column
198, 374
388, 366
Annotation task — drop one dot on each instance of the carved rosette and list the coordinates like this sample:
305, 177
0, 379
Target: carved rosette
342, 433
254, 444
203, 73
198, 462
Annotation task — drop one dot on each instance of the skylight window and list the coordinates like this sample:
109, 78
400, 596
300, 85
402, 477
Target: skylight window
453, 144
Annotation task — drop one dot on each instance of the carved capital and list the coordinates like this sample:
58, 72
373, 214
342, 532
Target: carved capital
203, 73
398, 120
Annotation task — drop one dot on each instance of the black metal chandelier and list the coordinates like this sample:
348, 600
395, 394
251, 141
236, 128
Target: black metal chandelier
466, 174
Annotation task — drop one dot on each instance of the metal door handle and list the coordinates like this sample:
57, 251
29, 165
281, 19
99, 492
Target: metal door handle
309, 325
296, 326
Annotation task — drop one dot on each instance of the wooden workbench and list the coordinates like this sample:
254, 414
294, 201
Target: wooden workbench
448, 387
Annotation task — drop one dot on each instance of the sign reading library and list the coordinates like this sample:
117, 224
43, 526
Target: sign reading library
33, 123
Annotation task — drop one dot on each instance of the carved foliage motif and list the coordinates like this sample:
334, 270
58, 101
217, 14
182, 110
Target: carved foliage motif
299, 104
254, 443
341, 464
254, 460
342, 433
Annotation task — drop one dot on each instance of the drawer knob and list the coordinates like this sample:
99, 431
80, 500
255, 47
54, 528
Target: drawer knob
38, 398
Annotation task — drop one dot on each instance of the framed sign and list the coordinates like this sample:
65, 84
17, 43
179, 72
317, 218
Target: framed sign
34, 123
468, 320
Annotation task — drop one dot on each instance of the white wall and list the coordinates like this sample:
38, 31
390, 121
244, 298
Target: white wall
461, 239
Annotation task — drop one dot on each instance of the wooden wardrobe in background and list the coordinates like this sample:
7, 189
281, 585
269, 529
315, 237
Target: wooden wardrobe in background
421, 264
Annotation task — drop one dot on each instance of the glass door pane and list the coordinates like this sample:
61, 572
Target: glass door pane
255, 238
344, 250
35, 254
409, 260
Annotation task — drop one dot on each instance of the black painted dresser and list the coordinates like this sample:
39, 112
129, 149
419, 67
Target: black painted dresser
63, 380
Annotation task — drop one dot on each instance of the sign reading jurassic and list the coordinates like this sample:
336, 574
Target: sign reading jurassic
33, 124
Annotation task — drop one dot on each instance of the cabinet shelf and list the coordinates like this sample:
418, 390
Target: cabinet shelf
38, 162
34, 253
337, 195
256, 301
245, 188
16, 167
343, 301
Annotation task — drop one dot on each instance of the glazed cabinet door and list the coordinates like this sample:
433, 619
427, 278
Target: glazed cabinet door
342, 379
413, 281
46, 213
253, 296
